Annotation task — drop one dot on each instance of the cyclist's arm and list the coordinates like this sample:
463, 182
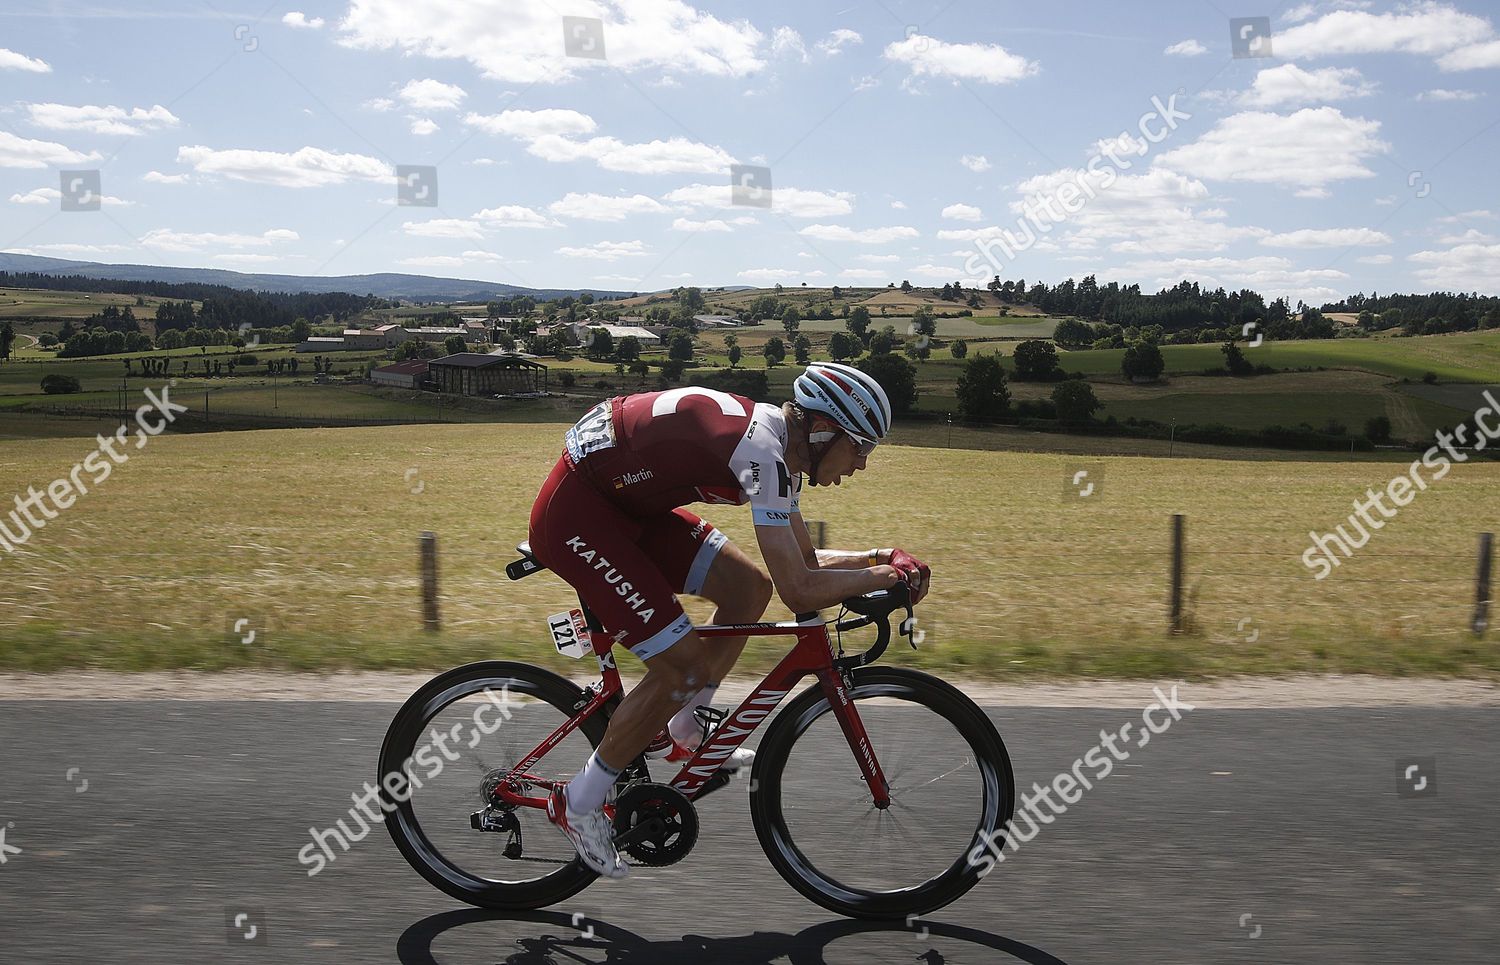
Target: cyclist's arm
803, 585
830, 559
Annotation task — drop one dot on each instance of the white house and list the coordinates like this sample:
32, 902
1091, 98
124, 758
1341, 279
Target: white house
323, 343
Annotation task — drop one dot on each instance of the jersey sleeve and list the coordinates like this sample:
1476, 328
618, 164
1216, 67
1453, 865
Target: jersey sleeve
759, 462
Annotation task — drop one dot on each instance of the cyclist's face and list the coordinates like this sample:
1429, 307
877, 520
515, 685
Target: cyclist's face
843, 458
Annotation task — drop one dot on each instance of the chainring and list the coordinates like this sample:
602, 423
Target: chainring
643, 801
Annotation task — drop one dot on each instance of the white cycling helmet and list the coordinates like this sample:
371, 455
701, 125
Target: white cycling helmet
847, 396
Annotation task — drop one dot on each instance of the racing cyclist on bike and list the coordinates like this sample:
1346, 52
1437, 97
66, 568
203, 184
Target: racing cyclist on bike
609, 521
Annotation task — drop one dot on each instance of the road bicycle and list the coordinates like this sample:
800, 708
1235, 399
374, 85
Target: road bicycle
882, 832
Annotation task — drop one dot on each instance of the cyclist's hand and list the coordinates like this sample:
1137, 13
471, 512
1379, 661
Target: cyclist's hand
916, 573
888, 576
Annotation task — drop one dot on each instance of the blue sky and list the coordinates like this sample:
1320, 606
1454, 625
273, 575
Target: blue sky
927, 141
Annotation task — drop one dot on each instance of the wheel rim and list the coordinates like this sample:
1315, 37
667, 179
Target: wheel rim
944, 792
434, 819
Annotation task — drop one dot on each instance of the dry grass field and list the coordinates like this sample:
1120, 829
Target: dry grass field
310, 538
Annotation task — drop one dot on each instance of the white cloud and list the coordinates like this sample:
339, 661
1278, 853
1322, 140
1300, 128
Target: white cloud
10, 60
431, 95
156, 177
20, 152
604, 207
835, 42
899, 205
53, 195
977, 163
181, 241
1375, 259
929, 272
878, 258
1473, 57
532, 124
1441, 94
989, 63
445, 228
675, 155
301, 21
1327, 238
1462, 268
769, 275
605, 250
422, 126
514, 216
1424, 28
1186, 48
381, 104
248, 258
786, 42
1309, 148
306, 167
795, 202
69, 248
963, 212
1290, 84
482, 162
520, 41
688, 224
108, 120
863, 274
1471, 237
867, 236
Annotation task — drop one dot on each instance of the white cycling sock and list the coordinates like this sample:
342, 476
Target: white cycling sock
587, 791
684, 726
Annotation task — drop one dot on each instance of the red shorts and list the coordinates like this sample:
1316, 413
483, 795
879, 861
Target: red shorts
628, 569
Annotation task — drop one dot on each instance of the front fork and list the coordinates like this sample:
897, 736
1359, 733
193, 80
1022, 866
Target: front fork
836, 687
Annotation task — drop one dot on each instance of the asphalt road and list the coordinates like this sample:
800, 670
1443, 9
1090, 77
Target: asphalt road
1237, 836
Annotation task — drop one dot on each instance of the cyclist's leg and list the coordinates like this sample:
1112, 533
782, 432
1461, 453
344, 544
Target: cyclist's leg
697, 559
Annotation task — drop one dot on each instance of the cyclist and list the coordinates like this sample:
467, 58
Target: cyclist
609, 521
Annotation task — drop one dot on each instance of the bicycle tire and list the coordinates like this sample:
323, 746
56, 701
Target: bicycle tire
401, 821
822, 889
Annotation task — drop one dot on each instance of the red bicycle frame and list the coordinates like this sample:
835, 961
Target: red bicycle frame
813, 654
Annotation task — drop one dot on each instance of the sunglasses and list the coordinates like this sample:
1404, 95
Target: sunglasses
861, 447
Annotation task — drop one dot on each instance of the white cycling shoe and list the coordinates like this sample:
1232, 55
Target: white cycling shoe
664, 747
592, 835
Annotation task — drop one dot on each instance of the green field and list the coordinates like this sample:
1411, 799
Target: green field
309, 535
1461, 357
42, 303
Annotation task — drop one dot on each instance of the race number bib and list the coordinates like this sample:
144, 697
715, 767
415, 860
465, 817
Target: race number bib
570, 633
595, 431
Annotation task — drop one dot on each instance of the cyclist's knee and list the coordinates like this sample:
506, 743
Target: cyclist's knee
682, 668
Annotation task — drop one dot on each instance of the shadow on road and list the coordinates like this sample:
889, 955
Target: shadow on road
591, 940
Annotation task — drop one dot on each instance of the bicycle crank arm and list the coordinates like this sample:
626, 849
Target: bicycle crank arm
647, 828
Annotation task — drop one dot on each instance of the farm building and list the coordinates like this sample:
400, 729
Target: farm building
410, 374
470, 373
715, 321
438, 333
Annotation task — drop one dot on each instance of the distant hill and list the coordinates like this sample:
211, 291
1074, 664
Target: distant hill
384, 284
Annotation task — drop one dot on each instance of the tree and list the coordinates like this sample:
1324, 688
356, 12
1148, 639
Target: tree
790, 320
60, 384
602, 345
858, 321
1378, 430
735, 352
681, 347
1142, 360
958, 348
841, 346
7, 339
1075, 402
802, 349
897, 376
671, 369
905, 285
300, 330
1235, 361
454, 344
629, 349
924, 321
731, 340
1071, 332
774, 351
982, 392
567, 379
1036, 361
640, 369
881, 343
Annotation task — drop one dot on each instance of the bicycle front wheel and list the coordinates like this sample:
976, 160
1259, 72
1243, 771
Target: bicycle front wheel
950, 782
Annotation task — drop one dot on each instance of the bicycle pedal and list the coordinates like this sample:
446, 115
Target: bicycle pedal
711, 785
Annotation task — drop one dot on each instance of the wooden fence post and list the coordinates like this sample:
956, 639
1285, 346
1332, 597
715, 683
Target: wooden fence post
1482, 584
1176, 604
428, 545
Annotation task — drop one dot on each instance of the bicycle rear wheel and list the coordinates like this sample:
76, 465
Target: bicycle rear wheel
455, 737
950, 781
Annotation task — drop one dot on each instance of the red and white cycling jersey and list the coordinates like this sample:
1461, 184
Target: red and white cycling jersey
653, 452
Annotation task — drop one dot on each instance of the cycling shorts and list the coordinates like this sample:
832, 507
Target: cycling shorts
628, 569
